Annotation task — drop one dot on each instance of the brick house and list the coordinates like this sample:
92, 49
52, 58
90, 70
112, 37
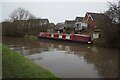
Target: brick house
93, 20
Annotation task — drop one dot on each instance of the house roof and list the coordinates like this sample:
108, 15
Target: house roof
98, 16
59, 25
44, 20
39, 20
70, 21
79, 19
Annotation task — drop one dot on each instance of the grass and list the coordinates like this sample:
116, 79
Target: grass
16, 65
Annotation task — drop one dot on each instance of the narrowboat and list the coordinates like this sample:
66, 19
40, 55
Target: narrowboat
65, 37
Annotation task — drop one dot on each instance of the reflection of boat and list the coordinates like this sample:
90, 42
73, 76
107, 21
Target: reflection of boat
65, 37
64, 46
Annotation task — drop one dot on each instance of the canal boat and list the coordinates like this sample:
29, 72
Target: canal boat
65, 37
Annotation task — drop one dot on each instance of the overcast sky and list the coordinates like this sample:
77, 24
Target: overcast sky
54, 11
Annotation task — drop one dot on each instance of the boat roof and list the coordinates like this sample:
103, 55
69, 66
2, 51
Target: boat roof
68, 34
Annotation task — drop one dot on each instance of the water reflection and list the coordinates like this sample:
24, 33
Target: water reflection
103, 59
68, 59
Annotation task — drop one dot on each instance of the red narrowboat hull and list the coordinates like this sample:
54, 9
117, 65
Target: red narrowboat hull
65, 37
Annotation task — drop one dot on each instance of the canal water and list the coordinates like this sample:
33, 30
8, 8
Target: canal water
66, 59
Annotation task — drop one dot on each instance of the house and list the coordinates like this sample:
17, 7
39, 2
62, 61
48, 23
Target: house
44, 21
93, 21
59, 27
69, 23
39, 22
78, 21
61, 24
32, 22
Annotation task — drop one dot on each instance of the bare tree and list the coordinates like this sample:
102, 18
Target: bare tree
114, 12
21, 14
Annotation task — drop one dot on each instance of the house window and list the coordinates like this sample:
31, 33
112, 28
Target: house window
95, 35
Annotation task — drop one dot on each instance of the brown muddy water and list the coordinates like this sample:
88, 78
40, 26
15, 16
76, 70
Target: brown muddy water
68, 60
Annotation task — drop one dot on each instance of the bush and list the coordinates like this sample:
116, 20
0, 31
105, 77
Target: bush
110, 36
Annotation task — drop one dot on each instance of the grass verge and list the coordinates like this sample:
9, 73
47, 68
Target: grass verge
16, 65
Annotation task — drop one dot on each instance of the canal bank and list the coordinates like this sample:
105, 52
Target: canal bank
16, 65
